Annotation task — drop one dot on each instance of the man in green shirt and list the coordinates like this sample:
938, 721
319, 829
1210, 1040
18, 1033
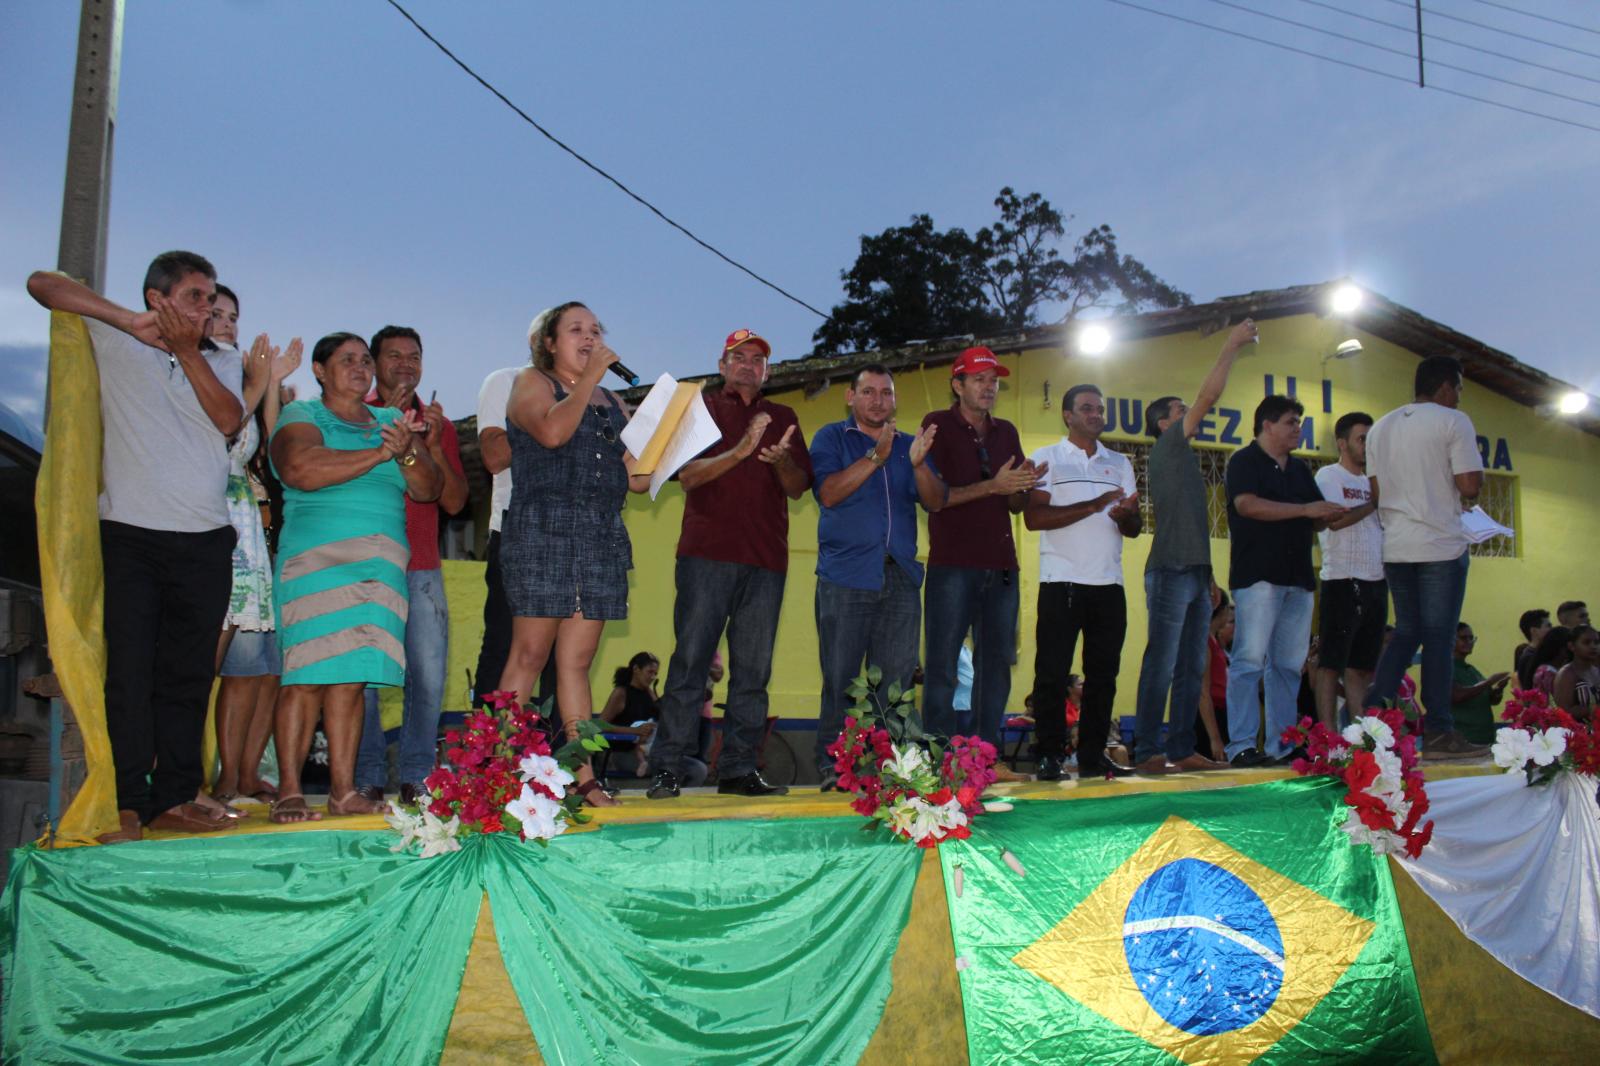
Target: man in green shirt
1473, 696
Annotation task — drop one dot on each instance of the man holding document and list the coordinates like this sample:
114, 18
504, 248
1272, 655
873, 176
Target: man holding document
733, 556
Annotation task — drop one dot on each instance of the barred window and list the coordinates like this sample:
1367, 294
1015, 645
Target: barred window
1498, 498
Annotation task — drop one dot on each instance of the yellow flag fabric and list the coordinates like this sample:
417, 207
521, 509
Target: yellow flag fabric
67, 501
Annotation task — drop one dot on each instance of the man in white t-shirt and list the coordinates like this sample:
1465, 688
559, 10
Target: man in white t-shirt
1355, 597
169, 401
1084, 506
1423, 460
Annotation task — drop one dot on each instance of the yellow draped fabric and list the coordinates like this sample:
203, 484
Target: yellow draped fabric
67, 500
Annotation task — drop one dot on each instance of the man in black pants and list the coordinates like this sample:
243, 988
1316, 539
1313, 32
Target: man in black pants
169, 401
1085, 505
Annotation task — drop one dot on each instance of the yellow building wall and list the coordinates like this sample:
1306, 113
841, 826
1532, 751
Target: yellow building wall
1556, 466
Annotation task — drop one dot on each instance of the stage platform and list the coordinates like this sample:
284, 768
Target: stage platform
1476, 1010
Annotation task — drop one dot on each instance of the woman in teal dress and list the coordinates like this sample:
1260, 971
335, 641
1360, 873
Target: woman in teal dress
340, 580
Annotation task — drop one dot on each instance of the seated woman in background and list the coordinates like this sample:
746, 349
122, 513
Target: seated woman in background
1211, 739
1577, 685
340, 584
632, 707
1539, 669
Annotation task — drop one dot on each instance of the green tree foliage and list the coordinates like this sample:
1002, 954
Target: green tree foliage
917, 282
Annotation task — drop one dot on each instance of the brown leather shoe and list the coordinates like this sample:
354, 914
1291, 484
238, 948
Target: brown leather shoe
1199, 762
192, 818
127, 829
1004, 774
1156, 764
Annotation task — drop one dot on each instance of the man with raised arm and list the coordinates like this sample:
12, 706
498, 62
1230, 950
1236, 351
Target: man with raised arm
1423, 460
169, 401
972, 557
1084, 508
869, 479
1179, 589
733, 557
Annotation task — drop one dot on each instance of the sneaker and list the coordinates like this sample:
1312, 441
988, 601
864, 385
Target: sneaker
751, 784
409, 793
664, 786
1451, 745
1250, 757
1049, 768
375, 793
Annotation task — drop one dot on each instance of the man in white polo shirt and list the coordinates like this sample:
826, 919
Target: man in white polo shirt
495, 449
1355, 597
1084, 506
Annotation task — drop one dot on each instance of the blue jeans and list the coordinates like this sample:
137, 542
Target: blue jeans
1427, 607
1178, 600
427, 654
879, 626
713, 596
1271, 637
957, 599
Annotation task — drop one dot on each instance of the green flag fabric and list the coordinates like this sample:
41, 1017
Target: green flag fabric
1226, 926
711, 942
280, 947
695, 942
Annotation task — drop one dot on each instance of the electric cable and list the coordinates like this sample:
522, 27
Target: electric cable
553, 139
1536, 15
1409, 5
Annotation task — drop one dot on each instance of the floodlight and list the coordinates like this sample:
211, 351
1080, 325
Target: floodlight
1094, 340
1573, 403
1346, 298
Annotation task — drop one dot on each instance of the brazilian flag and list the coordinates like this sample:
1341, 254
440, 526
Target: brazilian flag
1225, 926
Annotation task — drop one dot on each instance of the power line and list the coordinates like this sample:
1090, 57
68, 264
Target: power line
1541, 18
1411, 31
1410, 6
1354, 66
1407, 54
553, 139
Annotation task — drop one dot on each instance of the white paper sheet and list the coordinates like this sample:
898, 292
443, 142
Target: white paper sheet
695, 432
1479, 527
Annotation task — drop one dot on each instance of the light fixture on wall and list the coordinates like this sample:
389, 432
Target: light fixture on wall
1094, 340
1346, 350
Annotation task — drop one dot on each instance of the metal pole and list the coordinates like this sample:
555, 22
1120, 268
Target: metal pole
85, 206
1420, 83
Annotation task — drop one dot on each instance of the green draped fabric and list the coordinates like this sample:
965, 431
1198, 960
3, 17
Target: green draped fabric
704, 942
1226, 926
692, 942
283, 948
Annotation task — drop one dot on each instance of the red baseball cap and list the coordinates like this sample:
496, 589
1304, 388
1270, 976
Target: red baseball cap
976, 361
745, 336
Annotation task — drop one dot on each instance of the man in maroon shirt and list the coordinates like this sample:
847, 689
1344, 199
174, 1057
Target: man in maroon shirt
733, 556
397, 353
972, 560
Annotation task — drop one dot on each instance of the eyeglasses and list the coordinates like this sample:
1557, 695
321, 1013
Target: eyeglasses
608, 432
983, 462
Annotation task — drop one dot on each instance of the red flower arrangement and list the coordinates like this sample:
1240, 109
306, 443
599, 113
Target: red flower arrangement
1544, 741
498, 775
1377, 761
924, 791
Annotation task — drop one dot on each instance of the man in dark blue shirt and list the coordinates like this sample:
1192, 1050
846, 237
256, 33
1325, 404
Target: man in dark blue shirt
869, 478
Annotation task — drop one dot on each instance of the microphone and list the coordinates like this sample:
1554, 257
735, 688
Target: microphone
624, 373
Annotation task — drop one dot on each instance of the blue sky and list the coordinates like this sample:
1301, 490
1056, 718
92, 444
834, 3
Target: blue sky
342, 174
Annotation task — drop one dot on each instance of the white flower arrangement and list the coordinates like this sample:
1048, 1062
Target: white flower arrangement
537, 813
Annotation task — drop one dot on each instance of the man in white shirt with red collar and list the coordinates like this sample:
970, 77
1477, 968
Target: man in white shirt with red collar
1084, 507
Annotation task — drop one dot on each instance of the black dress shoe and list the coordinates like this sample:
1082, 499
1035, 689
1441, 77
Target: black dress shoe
1104, 770
1288, 757
830, 782
1049, 768
372, 792
410, 793
751, 784
663, 786
1250, 757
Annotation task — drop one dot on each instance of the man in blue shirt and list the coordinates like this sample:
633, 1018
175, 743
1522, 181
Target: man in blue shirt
869, 478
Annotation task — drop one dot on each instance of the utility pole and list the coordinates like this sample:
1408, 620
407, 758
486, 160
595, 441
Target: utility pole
86, 204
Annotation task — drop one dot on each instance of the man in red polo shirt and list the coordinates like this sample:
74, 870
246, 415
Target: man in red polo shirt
972, 559
397, 355
733, 556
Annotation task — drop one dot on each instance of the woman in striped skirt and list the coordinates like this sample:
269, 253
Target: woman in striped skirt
340, 582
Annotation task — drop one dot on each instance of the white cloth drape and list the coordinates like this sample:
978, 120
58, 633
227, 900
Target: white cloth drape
1518, 869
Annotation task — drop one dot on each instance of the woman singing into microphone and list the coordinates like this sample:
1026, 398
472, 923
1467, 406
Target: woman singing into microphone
564, 551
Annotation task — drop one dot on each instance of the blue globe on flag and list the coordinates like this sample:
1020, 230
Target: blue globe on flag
1203, 947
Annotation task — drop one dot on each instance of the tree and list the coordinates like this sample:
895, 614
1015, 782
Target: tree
915, 282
